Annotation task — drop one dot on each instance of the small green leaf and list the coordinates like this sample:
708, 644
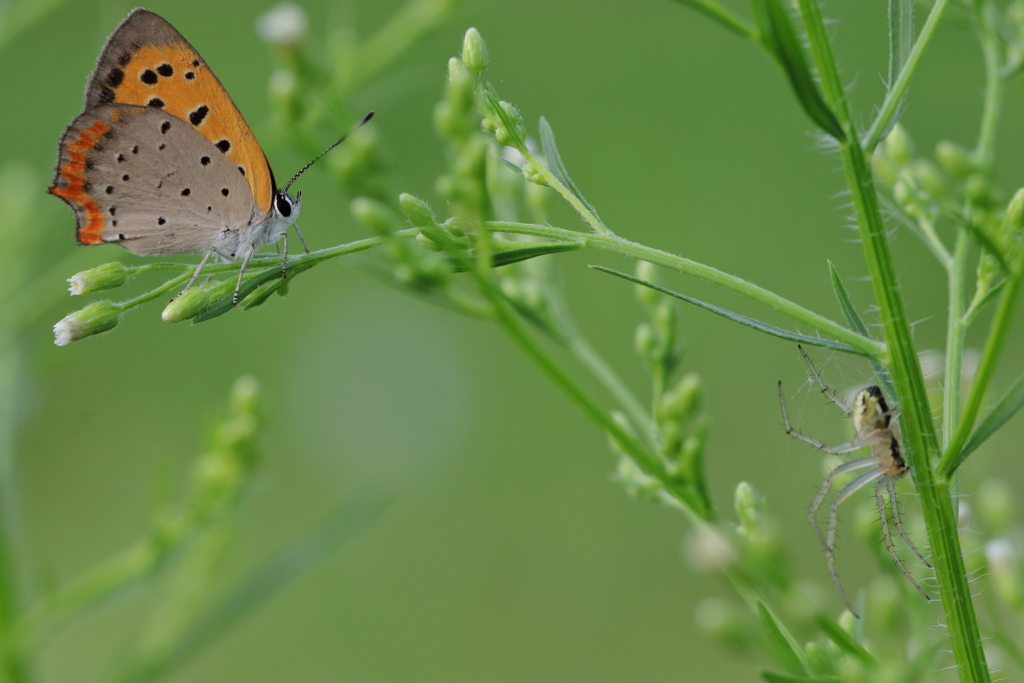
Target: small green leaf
838, 635
856, 323
555, 164
736, 317
782, 642
505, 253
1006, 408
263, 294
509, 164
714, 10
901, 42
780, 37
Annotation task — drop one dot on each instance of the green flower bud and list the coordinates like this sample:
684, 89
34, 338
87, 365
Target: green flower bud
644, 342
534, 173
645, 295
192, 302
954, 159
460, 86
749, 507
474, 52
682, 400
489, 126
107, 276
374, 216
503, 137
427, 242
899, 145
417, 211
671, 434
97, 317
929, 178
1014, 213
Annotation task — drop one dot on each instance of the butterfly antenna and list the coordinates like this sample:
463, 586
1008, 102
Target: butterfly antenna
317, 157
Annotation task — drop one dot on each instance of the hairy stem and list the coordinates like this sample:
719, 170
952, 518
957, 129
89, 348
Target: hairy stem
918, 428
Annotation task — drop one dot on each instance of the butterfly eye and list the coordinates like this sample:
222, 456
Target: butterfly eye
284, 204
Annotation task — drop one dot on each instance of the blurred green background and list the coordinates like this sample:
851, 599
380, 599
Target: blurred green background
507, 553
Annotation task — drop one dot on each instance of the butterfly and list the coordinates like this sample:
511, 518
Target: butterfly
162, 162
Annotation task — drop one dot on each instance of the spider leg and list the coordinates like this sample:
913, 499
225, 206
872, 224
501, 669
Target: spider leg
848, 447
833, 520
899, 524
821, 385
889, 545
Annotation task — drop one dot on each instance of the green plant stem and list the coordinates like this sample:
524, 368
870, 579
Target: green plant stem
984, 153
918, 428
956, 329
622, 247
882, 123
953, 457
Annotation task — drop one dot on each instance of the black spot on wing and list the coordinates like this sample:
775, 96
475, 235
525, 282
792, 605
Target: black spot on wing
189, 75
161, 220
106, 95
120, 158
241, 169
113, 210
223, 145
165, 126
186, 192
125, 177
110, 189
165, 70
197, 115
149, 77
155, 102
124, 58
135, 149
115, 77
205, 161
162, 147
195, 63
224, 191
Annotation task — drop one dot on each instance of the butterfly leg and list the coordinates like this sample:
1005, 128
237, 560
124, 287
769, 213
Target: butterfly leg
198, 270
241, 272
301, 238
284, 259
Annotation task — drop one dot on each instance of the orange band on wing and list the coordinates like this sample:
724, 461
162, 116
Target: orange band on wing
74, 172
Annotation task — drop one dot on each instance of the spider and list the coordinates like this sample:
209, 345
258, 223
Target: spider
876, 428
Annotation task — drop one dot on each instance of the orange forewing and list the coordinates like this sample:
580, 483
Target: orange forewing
174, 77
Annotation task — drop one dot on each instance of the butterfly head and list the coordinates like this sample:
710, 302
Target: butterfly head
286, 208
